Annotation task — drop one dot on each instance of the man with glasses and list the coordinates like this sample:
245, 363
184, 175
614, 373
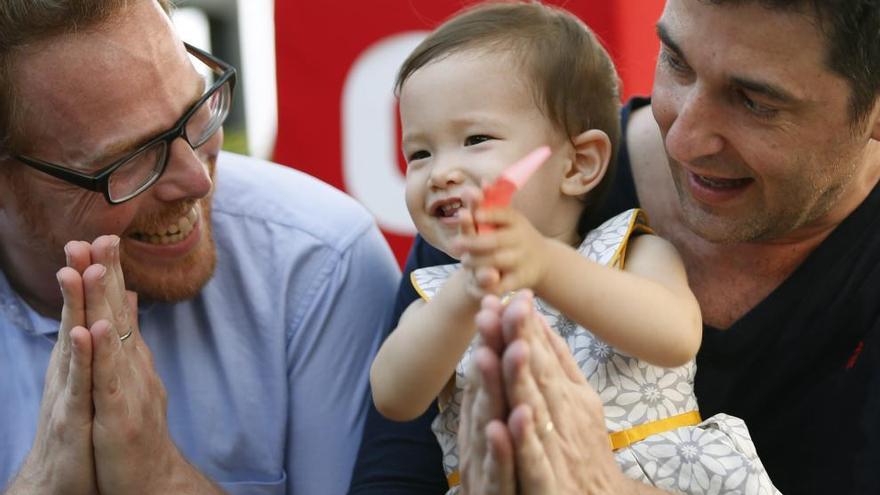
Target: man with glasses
217, 315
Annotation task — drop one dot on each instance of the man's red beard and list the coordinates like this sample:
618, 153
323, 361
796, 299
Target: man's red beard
187, 276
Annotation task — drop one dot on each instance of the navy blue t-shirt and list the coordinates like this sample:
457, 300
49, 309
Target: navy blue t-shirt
802, 369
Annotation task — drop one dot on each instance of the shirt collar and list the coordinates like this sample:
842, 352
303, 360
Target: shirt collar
21, 315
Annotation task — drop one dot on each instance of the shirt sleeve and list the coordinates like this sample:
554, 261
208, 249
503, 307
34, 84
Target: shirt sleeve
402, 458
330, 349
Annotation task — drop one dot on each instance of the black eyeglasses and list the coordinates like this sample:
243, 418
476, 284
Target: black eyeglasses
136, 172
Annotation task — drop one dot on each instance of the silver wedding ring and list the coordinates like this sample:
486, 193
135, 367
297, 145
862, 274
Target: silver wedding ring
123, 337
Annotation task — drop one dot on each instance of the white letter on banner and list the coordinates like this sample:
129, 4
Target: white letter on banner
369, 137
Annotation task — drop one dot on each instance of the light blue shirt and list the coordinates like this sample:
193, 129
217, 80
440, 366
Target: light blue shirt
267, 368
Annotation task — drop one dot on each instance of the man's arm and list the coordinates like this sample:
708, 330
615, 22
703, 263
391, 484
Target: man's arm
402, 458
331, 344
62, 459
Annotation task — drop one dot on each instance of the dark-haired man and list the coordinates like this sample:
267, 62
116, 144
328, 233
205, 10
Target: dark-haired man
758, 157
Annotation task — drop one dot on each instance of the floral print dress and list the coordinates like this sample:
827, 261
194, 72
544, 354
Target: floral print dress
711, 456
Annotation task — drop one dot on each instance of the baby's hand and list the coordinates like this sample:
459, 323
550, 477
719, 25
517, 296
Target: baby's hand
514, 251
481, 280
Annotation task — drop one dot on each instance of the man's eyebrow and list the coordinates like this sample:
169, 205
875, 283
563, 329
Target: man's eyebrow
769, 90
667, 41
131, 144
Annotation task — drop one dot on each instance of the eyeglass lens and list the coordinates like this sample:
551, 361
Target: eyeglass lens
142, 169
209, 117
136, 173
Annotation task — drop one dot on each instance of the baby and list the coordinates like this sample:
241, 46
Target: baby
486, 88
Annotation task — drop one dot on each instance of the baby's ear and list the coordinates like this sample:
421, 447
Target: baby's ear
592, 150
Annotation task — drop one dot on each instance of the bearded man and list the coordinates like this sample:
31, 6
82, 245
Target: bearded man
216, 331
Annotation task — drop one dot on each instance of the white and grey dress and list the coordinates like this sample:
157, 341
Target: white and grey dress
712, 456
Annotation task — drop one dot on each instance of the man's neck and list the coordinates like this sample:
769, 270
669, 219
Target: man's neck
38, 288
728, 279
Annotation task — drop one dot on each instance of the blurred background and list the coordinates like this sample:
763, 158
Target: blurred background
316, 81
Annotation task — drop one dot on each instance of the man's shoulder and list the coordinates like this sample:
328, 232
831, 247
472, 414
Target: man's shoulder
643, 140
254, 190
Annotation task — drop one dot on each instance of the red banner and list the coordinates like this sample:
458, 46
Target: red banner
337, 118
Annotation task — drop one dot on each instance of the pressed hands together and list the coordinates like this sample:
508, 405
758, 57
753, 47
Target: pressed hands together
103, 419
530, 423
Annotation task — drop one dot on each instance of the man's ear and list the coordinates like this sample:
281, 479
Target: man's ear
592, 151
875, 124
4, 179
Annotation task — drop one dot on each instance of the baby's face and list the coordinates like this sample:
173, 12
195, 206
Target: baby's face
465, 118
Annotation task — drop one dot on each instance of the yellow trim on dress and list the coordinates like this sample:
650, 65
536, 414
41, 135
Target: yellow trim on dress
638, 224
454, 479
415, 284
629, 436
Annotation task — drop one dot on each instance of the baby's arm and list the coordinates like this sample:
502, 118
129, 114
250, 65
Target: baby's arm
647, 310
420, 355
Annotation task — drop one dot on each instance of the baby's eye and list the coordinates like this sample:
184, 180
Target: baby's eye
417, 155
477, 139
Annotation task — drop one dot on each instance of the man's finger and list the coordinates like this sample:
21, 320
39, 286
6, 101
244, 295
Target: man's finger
498, 466
535, 472
78, 256
521, 321
79, 381
489, 324
489, 366
513, 315
487, 278
73, 310
105, 251
525, 387
520, 384
107, 371
98, 304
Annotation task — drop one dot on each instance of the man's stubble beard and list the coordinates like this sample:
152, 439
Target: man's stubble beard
760, 222
185, 279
